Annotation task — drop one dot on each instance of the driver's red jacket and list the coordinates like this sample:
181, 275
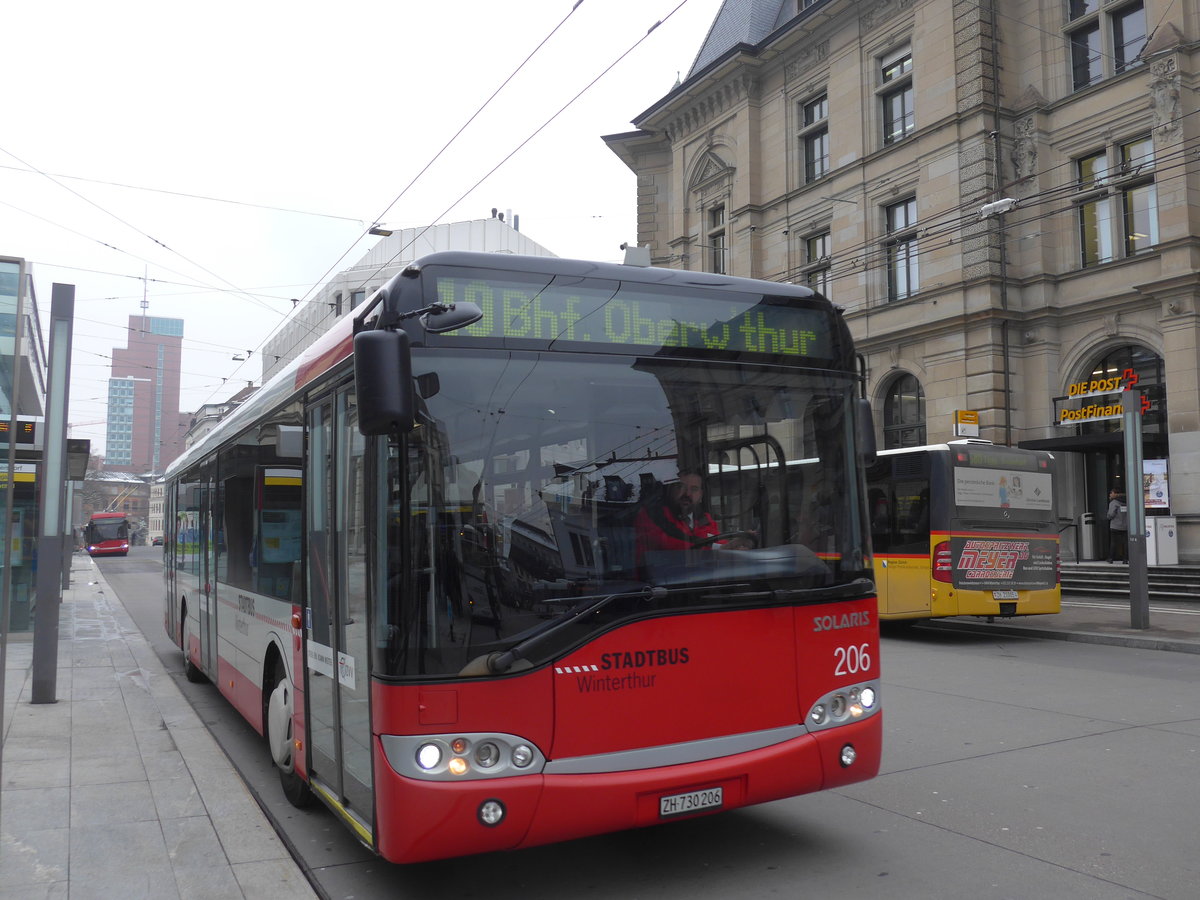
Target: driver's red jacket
658, 528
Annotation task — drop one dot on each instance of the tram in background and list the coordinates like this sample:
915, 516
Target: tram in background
107, 534
409, 559
966, 528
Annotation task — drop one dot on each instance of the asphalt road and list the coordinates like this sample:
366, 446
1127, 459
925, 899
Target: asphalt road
1013, 768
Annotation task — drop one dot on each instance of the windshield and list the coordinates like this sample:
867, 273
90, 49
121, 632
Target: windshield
543, 497
110, 530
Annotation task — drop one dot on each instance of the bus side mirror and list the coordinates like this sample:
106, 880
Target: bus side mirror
383, 382
866, 430
451, 317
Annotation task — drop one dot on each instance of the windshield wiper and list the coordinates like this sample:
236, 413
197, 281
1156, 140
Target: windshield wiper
858, 587
502, 660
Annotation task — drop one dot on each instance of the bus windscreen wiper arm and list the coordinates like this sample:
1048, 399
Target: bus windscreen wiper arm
857, 587
502, 660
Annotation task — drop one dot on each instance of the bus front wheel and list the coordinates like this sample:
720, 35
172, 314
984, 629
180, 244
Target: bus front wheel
191, 671
279, 740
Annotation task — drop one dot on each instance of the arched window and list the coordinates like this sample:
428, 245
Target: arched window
904, 414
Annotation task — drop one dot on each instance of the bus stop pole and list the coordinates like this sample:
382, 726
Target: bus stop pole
1139, 594
53, 498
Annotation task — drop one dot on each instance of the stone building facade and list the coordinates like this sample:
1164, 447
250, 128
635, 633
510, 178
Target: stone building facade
998, 194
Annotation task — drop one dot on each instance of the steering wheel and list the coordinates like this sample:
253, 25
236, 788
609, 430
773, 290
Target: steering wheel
728, 536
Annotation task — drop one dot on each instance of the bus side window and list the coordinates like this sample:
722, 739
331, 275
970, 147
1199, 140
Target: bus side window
881, 528
236, 531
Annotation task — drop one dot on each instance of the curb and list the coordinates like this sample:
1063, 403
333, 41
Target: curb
1083, 637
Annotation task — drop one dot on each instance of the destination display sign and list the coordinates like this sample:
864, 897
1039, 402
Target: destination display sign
27, 432
594, 311
984, 457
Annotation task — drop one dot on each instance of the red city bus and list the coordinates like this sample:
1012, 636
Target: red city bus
107, 534
411, 559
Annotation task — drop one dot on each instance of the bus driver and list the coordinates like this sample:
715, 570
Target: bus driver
681, 521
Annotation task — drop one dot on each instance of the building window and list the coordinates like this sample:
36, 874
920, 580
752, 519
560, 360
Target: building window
817, 260
716, 240
1129, 36
1104, 41
1095, 213
904, 414
1139, 199
1086, 56
896, 95
814, 138
1118, 203
901, 249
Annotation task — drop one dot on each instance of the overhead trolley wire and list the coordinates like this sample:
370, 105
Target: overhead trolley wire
128, 225
321, 280
535, 133
399, 253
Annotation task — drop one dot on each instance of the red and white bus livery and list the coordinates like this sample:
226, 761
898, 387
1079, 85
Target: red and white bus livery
107, 534
411, 560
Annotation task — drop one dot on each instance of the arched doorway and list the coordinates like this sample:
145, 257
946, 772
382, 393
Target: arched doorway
1100, 444
1104, 465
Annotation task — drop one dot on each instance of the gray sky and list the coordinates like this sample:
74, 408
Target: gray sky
233, 152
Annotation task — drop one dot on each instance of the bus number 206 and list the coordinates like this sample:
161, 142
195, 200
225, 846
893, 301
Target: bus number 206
852, 659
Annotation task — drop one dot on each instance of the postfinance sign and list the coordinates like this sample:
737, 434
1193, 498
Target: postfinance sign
1097, 387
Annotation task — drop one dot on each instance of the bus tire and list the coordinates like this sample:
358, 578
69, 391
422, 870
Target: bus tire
191, 671
277, 727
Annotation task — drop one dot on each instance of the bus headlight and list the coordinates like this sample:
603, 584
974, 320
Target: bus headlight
461, 757
852, 703
487, 755
848, 756
429, 756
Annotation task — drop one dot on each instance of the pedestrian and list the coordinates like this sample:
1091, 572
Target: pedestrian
1118, 527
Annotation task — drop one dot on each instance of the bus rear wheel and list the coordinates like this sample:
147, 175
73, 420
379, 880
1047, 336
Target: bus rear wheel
279, 739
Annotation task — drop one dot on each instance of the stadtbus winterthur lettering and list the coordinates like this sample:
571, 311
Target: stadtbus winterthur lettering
592, 315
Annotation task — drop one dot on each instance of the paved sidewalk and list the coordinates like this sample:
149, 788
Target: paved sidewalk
118, 790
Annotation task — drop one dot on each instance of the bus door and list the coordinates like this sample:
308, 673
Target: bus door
899, 504
207, 571
337, 670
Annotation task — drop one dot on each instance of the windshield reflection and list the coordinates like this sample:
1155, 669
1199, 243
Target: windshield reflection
536, 484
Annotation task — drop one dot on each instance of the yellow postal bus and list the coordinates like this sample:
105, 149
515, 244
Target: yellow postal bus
966, 528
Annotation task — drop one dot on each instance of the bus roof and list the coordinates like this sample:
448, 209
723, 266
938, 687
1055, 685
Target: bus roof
553, 265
